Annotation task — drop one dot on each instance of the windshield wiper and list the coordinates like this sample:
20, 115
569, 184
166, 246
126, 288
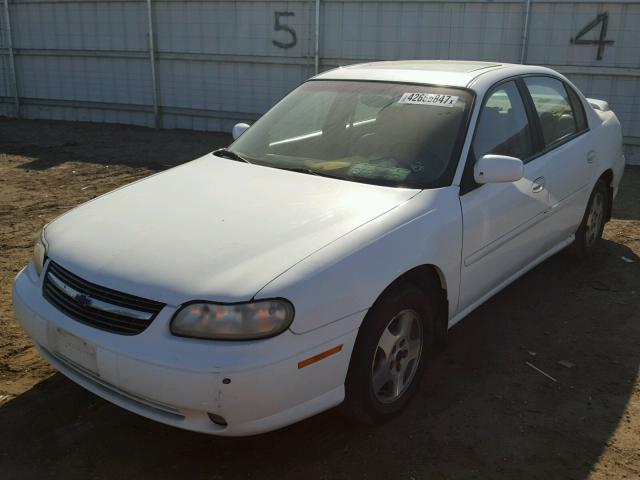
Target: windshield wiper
226, 153
308, 171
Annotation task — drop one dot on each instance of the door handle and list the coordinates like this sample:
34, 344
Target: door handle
591, 156
538, 185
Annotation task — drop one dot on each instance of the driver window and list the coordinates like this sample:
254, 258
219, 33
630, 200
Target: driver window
503, 128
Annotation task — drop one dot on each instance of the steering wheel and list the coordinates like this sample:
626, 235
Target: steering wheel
429, 160
433, 161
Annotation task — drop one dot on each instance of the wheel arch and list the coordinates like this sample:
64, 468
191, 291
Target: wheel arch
607, 177
427, 277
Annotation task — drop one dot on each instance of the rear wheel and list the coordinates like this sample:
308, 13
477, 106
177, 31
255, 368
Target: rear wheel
390, 354
590, 231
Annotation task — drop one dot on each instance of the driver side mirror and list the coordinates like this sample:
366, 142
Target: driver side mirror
498, 169
239, 129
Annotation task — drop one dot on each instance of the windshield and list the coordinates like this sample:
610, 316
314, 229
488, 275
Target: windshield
373, 132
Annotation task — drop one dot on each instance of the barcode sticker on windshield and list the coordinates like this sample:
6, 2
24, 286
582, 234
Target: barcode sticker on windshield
429, 99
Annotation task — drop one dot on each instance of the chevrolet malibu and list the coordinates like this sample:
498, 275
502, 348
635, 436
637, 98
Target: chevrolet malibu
322, 257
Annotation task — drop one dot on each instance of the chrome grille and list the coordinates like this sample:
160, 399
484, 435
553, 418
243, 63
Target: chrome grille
97, 306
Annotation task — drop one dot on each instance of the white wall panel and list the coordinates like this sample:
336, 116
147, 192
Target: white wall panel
220, 60
76, 114
233, 28
118, 80
227, 86
80, 25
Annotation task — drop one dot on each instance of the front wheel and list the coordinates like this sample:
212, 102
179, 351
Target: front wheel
590, 230
390, 354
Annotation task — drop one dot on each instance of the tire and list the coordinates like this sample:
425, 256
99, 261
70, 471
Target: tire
590, 230
403, 321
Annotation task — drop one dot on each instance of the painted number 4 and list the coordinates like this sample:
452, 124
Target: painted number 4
603, 20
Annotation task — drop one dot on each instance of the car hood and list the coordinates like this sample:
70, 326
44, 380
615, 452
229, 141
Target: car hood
212, 229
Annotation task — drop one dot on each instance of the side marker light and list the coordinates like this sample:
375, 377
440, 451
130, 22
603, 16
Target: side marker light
318, 357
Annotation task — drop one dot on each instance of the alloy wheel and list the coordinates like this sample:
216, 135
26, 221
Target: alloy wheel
397, 356
595, 219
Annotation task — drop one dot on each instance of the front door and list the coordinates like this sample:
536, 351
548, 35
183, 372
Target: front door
503, 223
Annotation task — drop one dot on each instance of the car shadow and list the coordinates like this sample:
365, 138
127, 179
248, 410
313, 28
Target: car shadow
625, 206
49, 144
482, 412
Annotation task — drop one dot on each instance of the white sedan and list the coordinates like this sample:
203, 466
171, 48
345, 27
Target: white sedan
320, 258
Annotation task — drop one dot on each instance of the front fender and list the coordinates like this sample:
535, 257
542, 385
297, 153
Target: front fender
348, 275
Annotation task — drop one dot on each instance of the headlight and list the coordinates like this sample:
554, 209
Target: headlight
242, 321
40, 252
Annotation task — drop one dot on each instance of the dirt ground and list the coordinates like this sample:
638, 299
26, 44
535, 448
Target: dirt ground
482, 413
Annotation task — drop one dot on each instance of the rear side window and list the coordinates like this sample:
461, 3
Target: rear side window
503, 128
553, 108
578, 109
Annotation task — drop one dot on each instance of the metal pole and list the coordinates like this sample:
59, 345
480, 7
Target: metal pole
525, 33
12, 63
317, 39
152, 60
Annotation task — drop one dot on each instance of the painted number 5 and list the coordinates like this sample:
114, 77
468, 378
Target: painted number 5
278, 26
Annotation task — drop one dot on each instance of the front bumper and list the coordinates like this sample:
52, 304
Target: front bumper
255, 386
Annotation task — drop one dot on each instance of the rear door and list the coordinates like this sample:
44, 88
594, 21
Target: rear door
503, 223
568, 150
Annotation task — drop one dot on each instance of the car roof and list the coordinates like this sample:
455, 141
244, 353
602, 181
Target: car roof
478, 76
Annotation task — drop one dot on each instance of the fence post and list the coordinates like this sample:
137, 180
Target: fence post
12, 63
317, 39
525, 33
152, 61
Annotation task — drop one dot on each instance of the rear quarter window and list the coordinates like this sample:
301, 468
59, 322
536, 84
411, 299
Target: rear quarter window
578, 109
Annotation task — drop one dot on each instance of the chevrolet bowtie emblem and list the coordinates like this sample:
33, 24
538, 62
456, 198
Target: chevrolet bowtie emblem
82, 299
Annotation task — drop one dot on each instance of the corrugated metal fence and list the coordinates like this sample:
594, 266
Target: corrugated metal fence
205, 64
